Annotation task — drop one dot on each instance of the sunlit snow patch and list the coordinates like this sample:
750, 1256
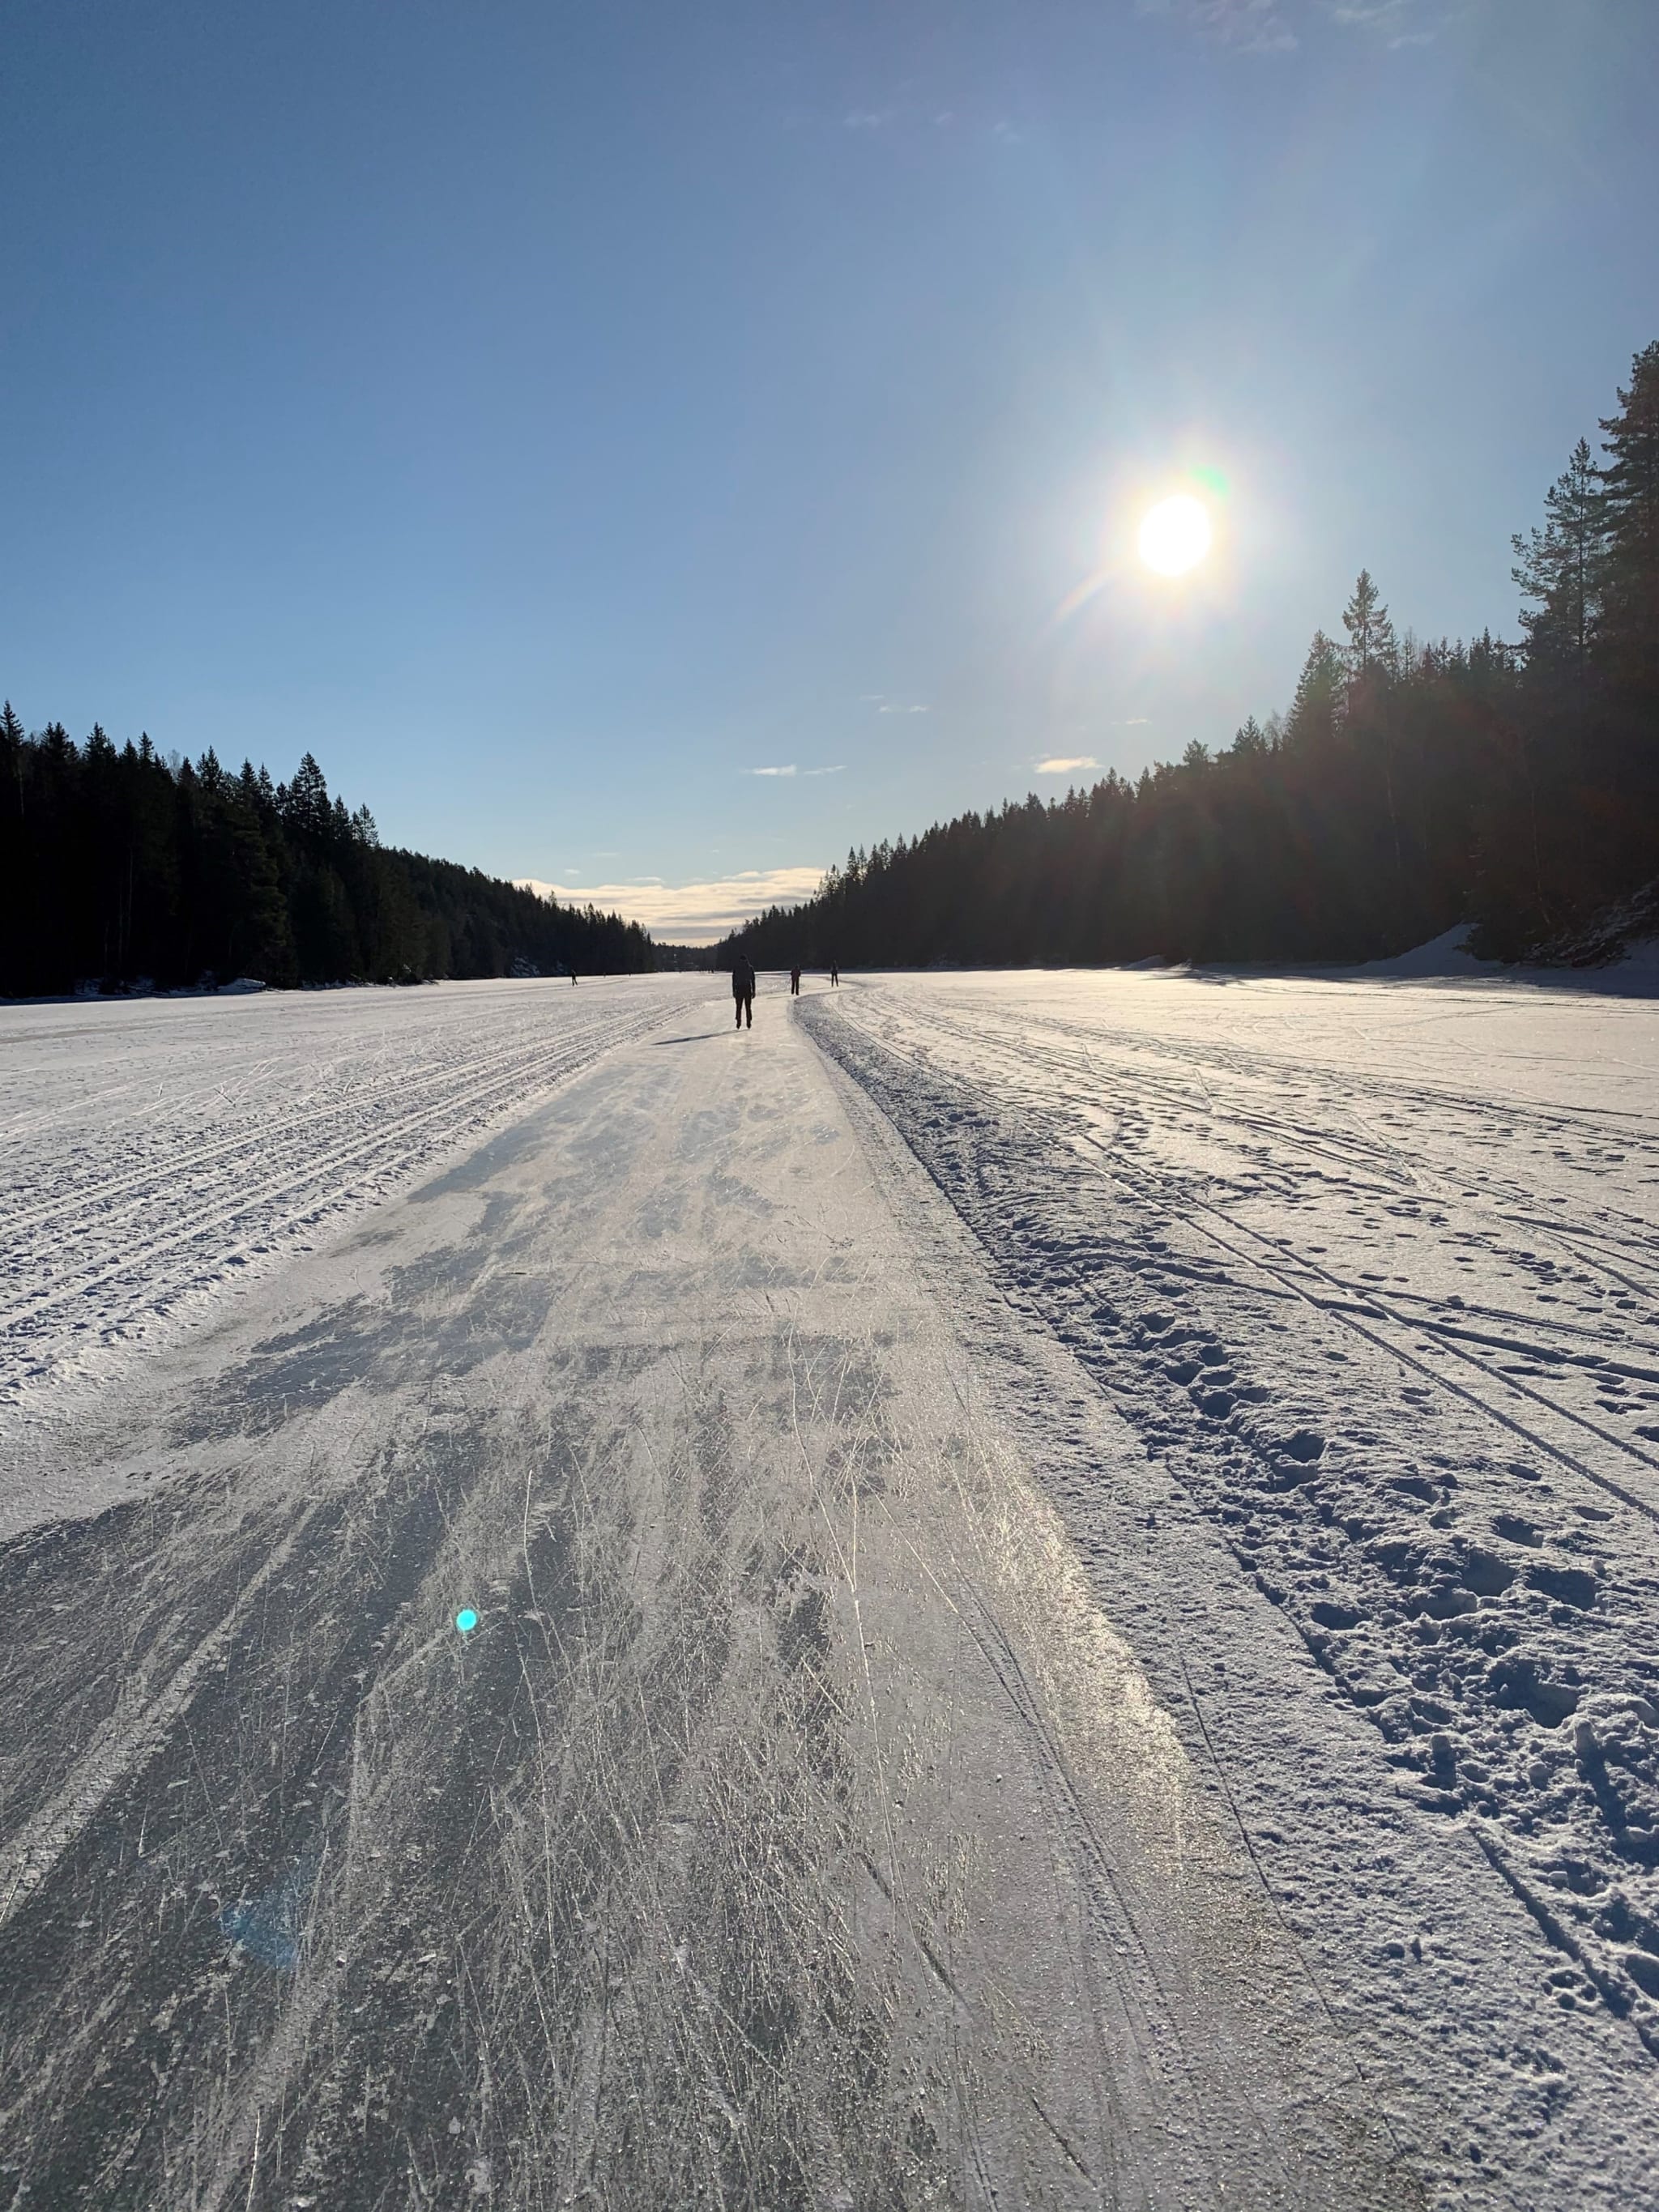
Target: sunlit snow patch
1445, 954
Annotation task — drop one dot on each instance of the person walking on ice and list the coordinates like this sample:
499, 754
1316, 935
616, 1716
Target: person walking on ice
835, 975
794, 982
743, 991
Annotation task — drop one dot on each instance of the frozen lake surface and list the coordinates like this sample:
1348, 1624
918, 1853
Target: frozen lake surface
1065, 1576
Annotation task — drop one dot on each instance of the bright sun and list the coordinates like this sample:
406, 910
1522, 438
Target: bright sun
1176, 535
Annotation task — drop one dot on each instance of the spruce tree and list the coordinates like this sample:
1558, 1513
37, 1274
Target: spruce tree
1629, 494
1562, 566
1372, 650
1317, 709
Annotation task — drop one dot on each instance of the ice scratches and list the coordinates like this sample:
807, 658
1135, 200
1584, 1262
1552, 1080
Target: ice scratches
559, 1914
214, 1814
1472, 1599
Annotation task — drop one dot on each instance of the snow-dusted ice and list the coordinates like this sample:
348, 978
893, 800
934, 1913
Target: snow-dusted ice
155, 1151
1065, 1583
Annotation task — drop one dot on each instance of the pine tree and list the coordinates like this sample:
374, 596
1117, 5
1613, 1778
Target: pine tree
1372, 650
1317, 709
1630, 495
307, 811
11, 755
1562, 566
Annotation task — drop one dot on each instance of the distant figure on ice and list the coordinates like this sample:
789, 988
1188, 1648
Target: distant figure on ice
743, 991
835, 975
573, 979
794, 982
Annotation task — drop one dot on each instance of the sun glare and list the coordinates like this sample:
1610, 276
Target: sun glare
1176, 535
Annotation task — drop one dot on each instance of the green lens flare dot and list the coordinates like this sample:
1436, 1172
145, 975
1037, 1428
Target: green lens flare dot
467, 1620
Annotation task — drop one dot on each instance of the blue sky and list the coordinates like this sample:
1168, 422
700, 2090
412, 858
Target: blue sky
551, 416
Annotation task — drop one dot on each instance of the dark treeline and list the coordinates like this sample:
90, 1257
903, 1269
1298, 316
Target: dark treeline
1409, 786
688, 959
117, 866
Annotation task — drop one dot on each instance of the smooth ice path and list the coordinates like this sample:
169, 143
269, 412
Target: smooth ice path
901, 1758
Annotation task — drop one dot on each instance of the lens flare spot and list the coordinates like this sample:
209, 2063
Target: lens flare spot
1175, 536
467, 1620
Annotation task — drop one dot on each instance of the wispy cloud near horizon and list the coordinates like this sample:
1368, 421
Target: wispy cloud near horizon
689, 914
1064, 764
789, 768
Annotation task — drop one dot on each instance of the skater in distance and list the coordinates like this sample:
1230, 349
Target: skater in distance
743, 991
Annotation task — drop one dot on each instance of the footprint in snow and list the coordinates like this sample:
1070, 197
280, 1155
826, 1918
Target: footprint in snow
1515, 1530
1303, 1445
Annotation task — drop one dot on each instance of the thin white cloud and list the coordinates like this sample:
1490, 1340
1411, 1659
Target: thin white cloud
1261, 27
790, 770
1250, 26
840, 769
1063, 764
689, 913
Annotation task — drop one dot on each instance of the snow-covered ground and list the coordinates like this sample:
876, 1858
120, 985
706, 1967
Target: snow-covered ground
1068, 1584
153, 1152
1373, 1270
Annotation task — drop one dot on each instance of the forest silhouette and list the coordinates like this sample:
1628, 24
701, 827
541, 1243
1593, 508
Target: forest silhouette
117, 867
1409, 786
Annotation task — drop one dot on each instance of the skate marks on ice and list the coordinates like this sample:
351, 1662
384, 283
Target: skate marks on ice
161, 1154
790, 1830
1388, 1311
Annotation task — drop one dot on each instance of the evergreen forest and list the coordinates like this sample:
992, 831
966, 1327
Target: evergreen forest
120, 868
1409, 786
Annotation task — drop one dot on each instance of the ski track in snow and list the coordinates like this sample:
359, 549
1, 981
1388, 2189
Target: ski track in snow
156, 1153
1374, 1270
